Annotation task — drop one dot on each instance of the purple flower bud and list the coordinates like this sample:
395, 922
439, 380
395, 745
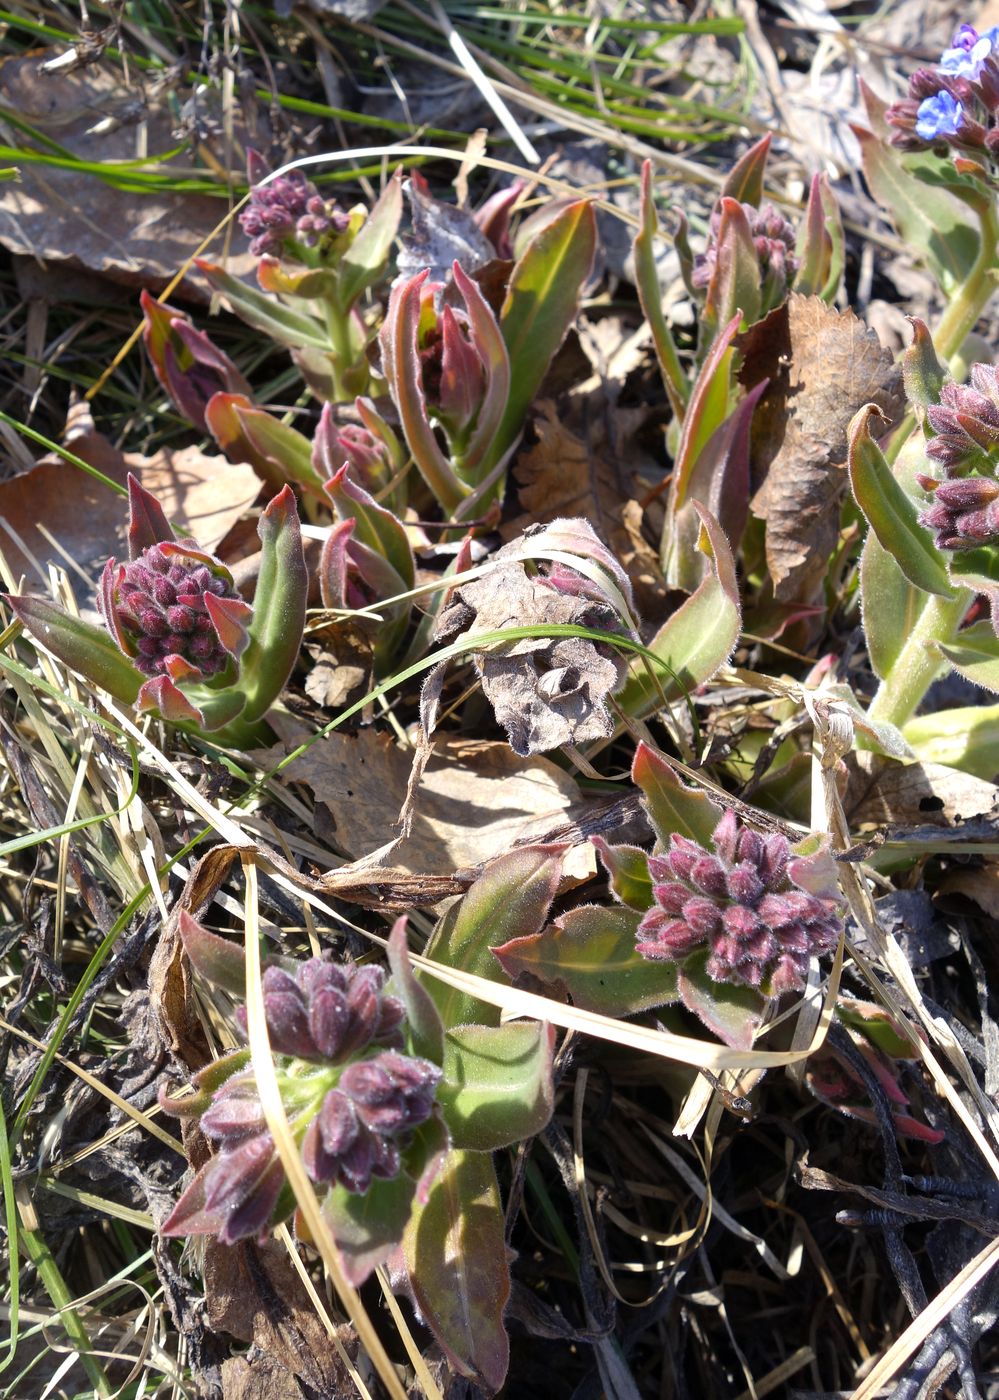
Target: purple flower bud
738, 902
285, 212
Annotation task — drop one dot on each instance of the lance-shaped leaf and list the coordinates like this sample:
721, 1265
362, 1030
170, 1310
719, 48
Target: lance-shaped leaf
265, 313
672, 807
932, 221
279, 606
423, 1024
375, 527
734, 1014
456, 1256
217, 960
890, 512
650, 296
966, 738
628, 867
890, 606
922, 373
277, 452
82, 646
187, 364
497, 1088
540, 306
147, 525
365, 259
161, 695
975, 655
511, 899
744, 181
589, 954
399, 340
367, 1227
820, 249
734, 288
707, 411
698, 638
488, 344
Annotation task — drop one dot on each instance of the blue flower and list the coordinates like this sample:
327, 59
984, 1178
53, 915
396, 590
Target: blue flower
968, 52
939, 116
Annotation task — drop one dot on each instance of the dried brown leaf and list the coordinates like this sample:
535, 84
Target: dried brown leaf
476, 799
204, 494
254, 1294
884, 791
831, 366
67, 215
568, 474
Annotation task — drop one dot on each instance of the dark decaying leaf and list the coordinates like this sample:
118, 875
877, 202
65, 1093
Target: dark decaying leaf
441, 234
828, 366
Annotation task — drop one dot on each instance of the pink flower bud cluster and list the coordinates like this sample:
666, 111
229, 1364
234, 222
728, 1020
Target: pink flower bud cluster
164, 604
774, 240
965, 509
288, 210
740, 902
328, 1011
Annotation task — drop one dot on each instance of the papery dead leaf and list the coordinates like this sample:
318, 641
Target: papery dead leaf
568, 474
829, 365
204, 494
139, 237
441, 234
883, 791
476, 799
981, 886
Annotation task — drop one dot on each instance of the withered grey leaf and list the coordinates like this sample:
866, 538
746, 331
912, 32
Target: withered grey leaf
834, 364
545, 691
441, 234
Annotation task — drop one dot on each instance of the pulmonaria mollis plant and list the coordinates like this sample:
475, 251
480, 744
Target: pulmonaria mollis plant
187, 364
178, 640
396, 1093
719, 917
354, 1098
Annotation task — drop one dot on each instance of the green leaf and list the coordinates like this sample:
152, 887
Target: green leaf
276, 451
975, 654
697, 639
932, 221
890, 511
217, 960
734, 289
650, 297
364, 259
279, 607
744, 181
541, 304
456, 1255
977, 569
366, 1228
265, 313
589, 953
734, 1014
965, 738
423, 1025
890, 605
673, 807
820, 246
497, 1086
85, 648
628, 867
510, 899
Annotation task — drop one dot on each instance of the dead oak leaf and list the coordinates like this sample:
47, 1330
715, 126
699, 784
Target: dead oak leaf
832, 364
204, 495
568, 475
884, 792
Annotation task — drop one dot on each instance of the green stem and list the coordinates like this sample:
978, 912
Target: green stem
918, 665
343, 357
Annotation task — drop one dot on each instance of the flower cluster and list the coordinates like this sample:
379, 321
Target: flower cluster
352, 1097
774, 241
174, 609
288, 211
740, 901
955, 101
965, 509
